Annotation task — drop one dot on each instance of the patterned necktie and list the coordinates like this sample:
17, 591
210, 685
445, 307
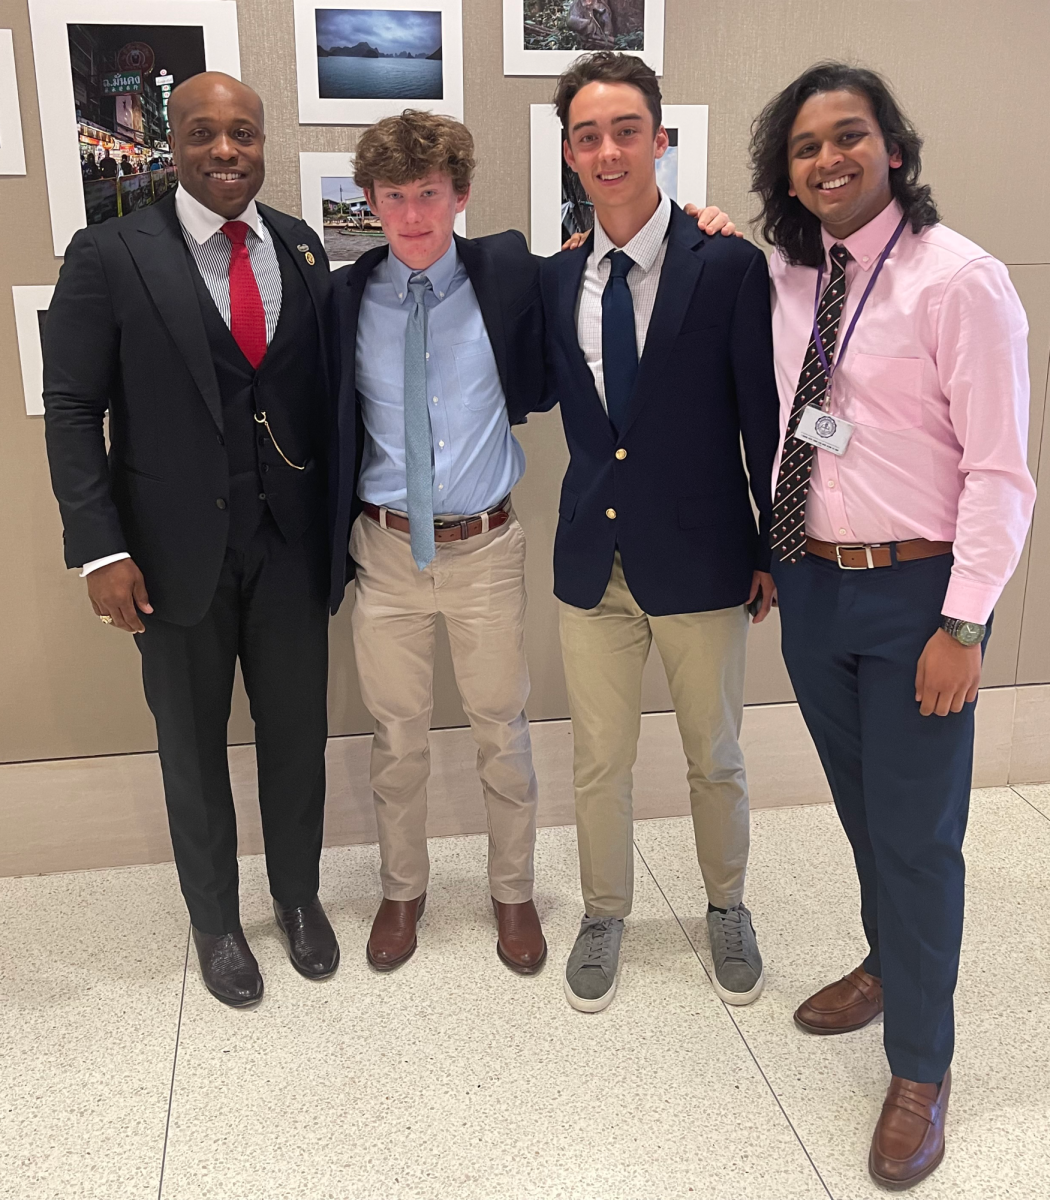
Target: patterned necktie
788, 535
619, 345
247, 315
419, 467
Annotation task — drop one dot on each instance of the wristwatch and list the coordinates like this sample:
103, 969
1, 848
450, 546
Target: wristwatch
966, 633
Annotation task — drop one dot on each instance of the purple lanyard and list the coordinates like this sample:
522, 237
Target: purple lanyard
829, 370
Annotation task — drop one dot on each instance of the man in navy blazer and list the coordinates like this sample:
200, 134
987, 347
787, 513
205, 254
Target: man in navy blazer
659, 352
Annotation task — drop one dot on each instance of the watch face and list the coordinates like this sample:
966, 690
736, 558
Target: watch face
969, 633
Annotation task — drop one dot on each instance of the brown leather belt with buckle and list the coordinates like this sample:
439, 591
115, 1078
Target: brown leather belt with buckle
862, 557
445, 531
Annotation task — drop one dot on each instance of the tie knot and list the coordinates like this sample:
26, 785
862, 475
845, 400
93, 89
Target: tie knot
840, 254
619, 264
236, 231
418, 284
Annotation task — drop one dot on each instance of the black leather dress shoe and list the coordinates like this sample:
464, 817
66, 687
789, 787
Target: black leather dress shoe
310, 939
228, 968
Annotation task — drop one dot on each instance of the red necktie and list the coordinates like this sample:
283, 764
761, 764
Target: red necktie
247, 315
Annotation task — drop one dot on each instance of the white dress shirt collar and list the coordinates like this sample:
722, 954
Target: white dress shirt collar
201, 223
645, 245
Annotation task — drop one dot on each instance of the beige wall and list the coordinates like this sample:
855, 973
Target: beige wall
974, 78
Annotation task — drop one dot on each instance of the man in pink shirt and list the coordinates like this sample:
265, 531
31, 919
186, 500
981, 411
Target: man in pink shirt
902, 503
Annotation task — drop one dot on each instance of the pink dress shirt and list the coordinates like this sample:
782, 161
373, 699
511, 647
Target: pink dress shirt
935, 379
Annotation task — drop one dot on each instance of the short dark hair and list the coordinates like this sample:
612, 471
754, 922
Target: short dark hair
785, 220
607, 66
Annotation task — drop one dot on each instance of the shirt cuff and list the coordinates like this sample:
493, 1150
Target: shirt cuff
969, 601
95, 563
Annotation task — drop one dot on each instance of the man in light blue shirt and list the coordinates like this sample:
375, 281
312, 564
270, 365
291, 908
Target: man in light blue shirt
441, 352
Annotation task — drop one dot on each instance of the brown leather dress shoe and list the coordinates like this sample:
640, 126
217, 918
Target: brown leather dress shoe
908, 1143
393, 937
228, 968
842, 1007
521, 944
310, 939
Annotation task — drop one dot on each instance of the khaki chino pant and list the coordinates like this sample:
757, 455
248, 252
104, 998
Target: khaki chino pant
479, 587
604, 650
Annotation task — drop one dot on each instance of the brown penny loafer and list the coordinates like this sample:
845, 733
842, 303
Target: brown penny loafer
520, 944
842, 1007
393, 937
228, 968
309, 939
908, 1143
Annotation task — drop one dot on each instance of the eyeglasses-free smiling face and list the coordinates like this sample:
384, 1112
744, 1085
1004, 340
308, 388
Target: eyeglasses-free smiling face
217, 141
418, 217
838, 162
612, 146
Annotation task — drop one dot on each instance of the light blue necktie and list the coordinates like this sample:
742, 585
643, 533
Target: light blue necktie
419, 468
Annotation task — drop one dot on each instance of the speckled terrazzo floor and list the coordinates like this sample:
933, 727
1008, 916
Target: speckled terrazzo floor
120, 1078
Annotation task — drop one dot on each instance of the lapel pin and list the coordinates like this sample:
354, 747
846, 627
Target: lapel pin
302, 247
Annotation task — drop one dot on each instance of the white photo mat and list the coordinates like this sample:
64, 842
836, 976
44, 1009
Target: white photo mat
314, 168
29, 302
315, 109
12, 151
58, 122
690, 120
519, 61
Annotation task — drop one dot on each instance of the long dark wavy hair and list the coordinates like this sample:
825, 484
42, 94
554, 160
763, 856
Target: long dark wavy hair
784, 219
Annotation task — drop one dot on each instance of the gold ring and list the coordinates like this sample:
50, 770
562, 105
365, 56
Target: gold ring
106, 619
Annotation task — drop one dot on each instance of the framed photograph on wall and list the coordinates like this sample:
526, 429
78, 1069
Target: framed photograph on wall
541, 37
335, 208
103, 80
559, 206
31, 305
361, 60
12, 152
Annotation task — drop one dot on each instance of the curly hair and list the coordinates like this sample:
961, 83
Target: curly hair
408, 147
784, 219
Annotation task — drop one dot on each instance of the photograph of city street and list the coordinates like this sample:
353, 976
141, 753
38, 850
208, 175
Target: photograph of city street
584, 24
122, 78
379, 54
349, 226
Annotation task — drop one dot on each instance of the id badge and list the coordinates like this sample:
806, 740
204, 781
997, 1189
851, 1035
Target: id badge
823, 430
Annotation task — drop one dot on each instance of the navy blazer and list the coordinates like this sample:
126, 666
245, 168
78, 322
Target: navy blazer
676, 504
505, 279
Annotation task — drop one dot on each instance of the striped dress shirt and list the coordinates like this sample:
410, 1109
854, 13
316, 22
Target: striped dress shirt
648, 248
210, 248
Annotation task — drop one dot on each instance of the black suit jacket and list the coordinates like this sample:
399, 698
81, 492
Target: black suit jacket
683, 520
125, 333
505, 279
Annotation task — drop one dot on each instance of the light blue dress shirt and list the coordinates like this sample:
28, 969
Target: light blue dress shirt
477, 459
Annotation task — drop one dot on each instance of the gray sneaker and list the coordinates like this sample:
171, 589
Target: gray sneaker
738, 964
590, 973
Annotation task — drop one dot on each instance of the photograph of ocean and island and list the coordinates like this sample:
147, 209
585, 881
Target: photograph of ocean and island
378, 54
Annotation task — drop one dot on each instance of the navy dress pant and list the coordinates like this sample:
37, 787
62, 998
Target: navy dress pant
900, 781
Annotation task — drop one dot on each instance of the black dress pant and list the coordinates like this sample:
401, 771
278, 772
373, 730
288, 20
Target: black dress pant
270, 611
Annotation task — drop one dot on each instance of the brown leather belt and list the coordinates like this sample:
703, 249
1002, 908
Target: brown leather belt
855, 557
446, 531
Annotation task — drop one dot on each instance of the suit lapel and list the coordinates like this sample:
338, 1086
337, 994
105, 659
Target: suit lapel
682, 268
160, 253
573, 265
285, 228
483, 279
354, 279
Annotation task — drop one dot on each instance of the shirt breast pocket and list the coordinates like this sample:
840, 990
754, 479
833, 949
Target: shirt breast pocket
886, 393
479, 385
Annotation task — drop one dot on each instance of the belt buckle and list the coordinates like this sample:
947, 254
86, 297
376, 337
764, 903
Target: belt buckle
869, 562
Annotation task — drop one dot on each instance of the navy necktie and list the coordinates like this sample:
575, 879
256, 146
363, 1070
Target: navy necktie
619, 347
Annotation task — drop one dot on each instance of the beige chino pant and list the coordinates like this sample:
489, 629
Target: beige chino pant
604, 651
478, 585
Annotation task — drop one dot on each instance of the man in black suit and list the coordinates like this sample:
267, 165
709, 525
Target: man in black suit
199, 324
660, 354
